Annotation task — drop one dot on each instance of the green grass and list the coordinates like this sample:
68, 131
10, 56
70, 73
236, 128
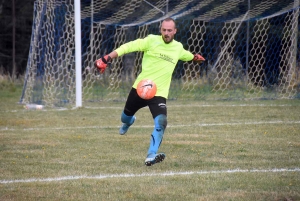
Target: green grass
203, 141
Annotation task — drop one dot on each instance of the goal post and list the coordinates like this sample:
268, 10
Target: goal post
251, 49
78, 53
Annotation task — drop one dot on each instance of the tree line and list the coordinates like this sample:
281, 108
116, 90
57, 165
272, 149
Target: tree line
16, 23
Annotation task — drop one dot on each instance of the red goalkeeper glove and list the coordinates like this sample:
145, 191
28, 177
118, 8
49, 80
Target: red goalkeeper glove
198, 58
101, 64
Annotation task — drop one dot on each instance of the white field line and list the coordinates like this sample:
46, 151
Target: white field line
169, 106
151, 126
203, 105
109, 176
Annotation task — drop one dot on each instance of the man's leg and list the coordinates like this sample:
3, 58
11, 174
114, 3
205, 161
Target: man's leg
160, 123
158, 109
133, 104
127, 122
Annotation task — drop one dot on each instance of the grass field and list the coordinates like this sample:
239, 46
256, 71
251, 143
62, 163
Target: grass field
217, 150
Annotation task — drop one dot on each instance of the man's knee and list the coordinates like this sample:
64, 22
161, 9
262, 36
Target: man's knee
160, 121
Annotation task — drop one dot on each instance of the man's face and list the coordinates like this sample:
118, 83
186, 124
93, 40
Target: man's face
168, 31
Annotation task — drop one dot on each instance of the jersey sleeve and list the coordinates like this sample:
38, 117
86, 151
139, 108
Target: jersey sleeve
186, 55
134, 46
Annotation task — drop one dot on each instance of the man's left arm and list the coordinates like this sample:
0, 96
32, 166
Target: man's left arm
188, 56
198, 58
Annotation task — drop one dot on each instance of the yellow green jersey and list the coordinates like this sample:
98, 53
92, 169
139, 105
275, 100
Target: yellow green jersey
159, 60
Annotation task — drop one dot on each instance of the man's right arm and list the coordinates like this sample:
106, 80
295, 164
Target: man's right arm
133, 46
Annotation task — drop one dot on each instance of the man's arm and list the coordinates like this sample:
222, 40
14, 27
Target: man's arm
113, 54
198, 58
188, 56
136, 45
101, 63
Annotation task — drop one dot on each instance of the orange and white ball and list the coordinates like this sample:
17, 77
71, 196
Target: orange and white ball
146, 89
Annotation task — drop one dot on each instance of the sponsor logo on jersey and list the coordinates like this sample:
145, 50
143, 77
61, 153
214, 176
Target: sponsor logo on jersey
166, 58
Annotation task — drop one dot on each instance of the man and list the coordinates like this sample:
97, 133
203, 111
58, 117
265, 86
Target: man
161, 54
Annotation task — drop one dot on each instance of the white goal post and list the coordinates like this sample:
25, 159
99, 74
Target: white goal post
78, 53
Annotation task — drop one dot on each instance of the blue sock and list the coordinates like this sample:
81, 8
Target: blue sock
160, 124
127, 119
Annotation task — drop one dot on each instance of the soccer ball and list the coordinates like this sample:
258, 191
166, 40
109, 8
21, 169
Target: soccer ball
146, 89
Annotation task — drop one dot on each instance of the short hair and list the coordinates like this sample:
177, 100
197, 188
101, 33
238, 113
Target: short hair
168, 19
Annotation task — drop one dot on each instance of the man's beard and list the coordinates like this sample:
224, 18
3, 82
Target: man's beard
166, 39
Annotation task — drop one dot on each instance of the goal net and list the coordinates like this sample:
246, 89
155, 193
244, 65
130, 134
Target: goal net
251, 49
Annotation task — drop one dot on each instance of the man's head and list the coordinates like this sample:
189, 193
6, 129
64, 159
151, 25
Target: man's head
168, 29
